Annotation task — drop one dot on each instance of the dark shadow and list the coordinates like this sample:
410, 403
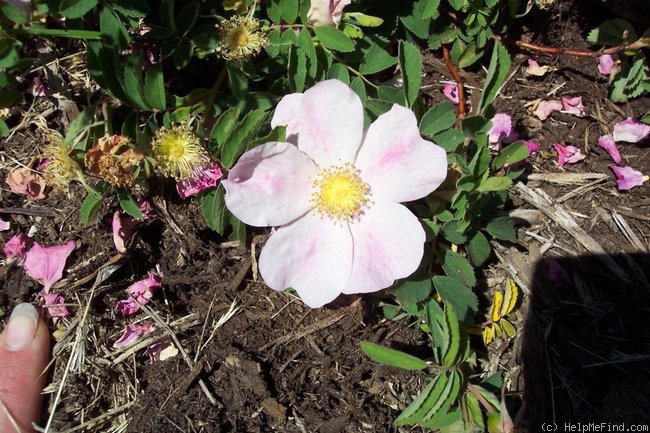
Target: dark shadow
586, 343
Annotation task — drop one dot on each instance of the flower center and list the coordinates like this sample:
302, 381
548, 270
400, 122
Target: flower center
340, 193
175, 147
238, 38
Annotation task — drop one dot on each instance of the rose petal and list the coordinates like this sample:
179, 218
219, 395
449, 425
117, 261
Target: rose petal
388, 245
202, 179
627, 177
607, 142
140, 293
270, 185
55, 305
45, 264
313, 255
535, 69
4, 225
501, 126
568, 154
545, 108
133, 333
396, 162
24, 181
630, 130
533, 147
605, 64
17, 246
328, 121
573, 106
326, 12
450, 90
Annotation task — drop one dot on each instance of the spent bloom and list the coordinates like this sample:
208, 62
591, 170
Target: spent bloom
45, 264
568, 154
630, 130
177, 152
326, 12
627, 177
61, 168
113, 160
240, 38
334, 191
607, 142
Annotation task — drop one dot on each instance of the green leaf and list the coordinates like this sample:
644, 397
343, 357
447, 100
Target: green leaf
224, 126
410, 61
495, 183
133, 82
76, 8
428, 8
411, 292
306, 44
186, 17
502, 228
430, 399
478, 248
4, 128
111, 26
183, 54
334, 39
297, 69
458, 267
364, 20
359, 88
79, 124
154, 87
453, 343
128, 204
289, 9
213, 209
340, 72
240, 137
92, 203
376, 59
461, 298
435, 321
439, 416
274, 11
13, 13
511, 154
103, 63
438, 118
131, 8
612, 32
449, 139
496, 75
387, 356
417, 26
392, 95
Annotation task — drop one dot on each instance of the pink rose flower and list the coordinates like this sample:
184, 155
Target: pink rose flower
45, 264
607, 142
630, 130
568, 154
627, 177
141, 291
334, 191
326, 12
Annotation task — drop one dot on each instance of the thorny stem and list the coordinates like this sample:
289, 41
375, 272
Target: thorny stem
458, 79
556, 51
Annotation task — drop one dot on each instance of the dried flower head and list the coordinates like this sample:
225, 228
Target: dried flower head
240, 38
113, 161
178, 152
61, 168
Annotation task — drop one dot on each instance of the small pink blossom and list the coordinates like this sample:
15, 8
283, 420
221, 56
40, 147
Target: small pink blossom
141, 291
4, 225
17, 246
568, 154
533, 147
326, 12
605, 64
631, 131
45, 264
23, 181
627, 177
133, 333
573, 106
607, 142
334, 191
535, 69
545, 108
450, 90
55, 305
124, 225
206, 177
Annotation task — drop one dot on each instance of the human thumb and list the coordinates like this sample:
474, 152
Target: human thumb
24, 352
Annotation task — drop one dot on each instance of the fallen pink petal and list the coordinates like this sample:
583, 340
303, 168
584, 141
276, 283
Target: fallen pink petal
535, 69
140, 293
450, 90
46, 264
17, 246
55, 306
605, 64
630, 130
26, 182
161, 351
573, 106
205, 178
501, 127
124, 226
4, 225
132, 333
607, 142
545, 108
627, 177
533, 147
326, 12
568, 154
334, 193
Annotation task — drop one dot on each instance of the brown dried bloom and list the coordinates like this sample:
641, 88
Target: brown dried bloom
240, 38
109, 160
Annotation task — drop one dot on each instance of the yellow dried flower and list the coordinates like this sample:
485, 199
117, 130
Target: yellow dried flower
61, 168
240, 38
177, 152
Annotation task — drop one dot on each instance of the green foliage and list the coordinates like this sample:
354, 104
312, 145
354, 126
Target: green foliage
387, 356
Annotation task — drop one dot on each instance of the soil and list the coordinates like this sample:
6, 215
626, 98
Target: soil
276, 365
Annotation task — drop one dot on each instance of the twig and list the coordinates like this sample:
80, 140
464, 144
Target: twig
459, 81
556, 51
308, 330
39, 212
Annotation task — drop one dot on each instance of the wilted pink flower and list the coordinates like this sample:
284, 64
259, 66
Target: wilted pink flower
545, 108
141, 291
200, 180
568, 154
605, 64
124, 225
55, 305
45, 264
630, 130
17, 246
573, 106
24, 181
334, 191
326, 12
450, 90
533, 147
133, 333
4, 225
627, 177
535, 69
607, 142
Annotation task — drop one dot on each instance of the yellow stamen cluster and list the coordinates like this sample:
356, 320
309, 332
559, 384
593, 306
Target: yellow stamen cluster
61, 168
178, 152
339, 193
240, 38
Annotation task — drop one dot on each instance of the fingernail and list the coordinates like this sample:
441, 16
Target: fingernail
21, 328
